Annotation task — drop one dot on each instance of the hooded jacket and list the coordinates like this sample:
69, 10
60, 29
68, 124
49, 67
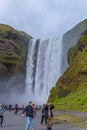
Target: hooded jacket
29, 111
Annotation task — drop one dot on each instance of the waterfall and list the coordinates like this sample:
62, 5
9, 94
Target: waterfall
43, 68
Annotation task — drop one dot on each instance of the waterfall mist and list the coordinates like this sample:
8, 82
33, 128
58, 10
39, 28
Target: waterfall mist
43, 68
12, 89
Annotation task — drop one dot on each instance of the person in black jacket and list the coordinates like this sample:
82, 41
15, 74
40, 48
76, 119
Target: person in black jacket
48, 110
49, 114
43, 116
29, 115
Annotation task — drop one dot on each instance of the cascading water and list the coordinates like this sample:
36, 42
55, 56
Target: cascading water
43, 68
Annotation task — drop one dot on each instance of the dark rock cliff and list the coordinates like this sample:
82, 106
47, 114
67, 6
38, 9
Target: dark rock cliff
13, 55
69, 40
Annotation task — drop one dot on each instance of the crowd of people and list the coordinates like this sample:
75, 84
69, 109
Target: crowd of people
30, 110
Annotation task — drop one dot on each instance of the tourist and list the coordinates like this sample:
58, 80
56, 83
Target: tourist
10, 107
43, 116
34, 114
48, 109
16, 108
2, 110
49, 114
29, 115
22, 106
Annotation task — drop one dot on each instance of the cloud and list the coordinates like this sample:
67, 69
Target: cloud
43, 18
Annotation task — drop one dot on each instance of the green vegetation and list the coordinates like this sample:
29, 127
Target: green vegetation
5, 29
71, 54
82, 124
70, 92
1, 58
67, 118
76, 101
13, 49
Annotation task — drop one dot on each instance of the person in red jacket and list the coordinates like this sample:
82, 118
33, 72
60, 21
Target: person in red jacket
16, 108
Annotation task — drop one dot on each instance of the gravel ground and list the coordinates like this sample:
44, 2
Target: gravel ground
17, 122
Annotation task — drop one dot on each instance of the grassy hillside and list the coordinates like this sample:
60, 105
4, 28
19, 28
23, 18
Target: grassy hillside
76, 101
71, 89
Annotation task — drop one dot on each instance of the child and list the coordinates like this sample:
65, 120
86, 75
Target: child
49, 123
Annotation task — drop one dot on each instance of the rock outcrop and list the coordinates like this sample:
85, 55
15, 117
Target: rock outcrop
13, 55
70, 38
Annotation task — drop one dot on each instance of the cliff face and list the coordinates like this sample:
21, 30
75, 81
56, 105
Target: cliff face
13, 50
70, 91
70, 38
13, 55
74, 79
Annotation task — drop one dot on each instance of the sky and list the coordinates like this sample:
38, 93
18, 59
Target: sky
43, 18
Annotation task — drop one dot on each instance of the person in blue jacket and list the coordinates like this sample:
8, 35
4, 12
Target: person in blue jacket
2, 110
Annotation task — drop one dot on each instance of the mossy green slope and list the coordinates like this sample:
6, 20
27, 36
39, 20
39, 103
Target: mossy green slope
71, 89
13, 50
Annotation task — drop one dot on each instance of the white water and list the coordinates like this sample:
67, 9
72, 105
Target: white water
43, 68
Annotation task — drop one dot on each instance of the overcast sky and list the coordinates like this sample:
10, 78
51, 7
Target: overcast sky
43, 18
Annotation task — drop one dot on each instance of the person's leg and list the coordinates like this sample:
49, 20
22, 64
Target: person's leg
45, 120
49, 129
42, 118
1, 116
28, 121
0, 119
15, 111
49, 123
33, 123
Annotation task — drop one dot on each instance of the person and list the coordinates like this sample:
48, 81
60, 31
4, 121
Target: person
2, 110
16, 108
43, 116
49, 114
48, 109
34, 115
29, 115
9, 107
22, 106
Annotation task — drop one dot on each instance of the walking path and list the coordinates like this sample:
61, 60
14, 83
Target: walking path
17, 122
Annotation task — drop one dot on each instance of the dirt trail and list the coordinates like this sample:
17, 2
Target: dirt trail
17, 122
